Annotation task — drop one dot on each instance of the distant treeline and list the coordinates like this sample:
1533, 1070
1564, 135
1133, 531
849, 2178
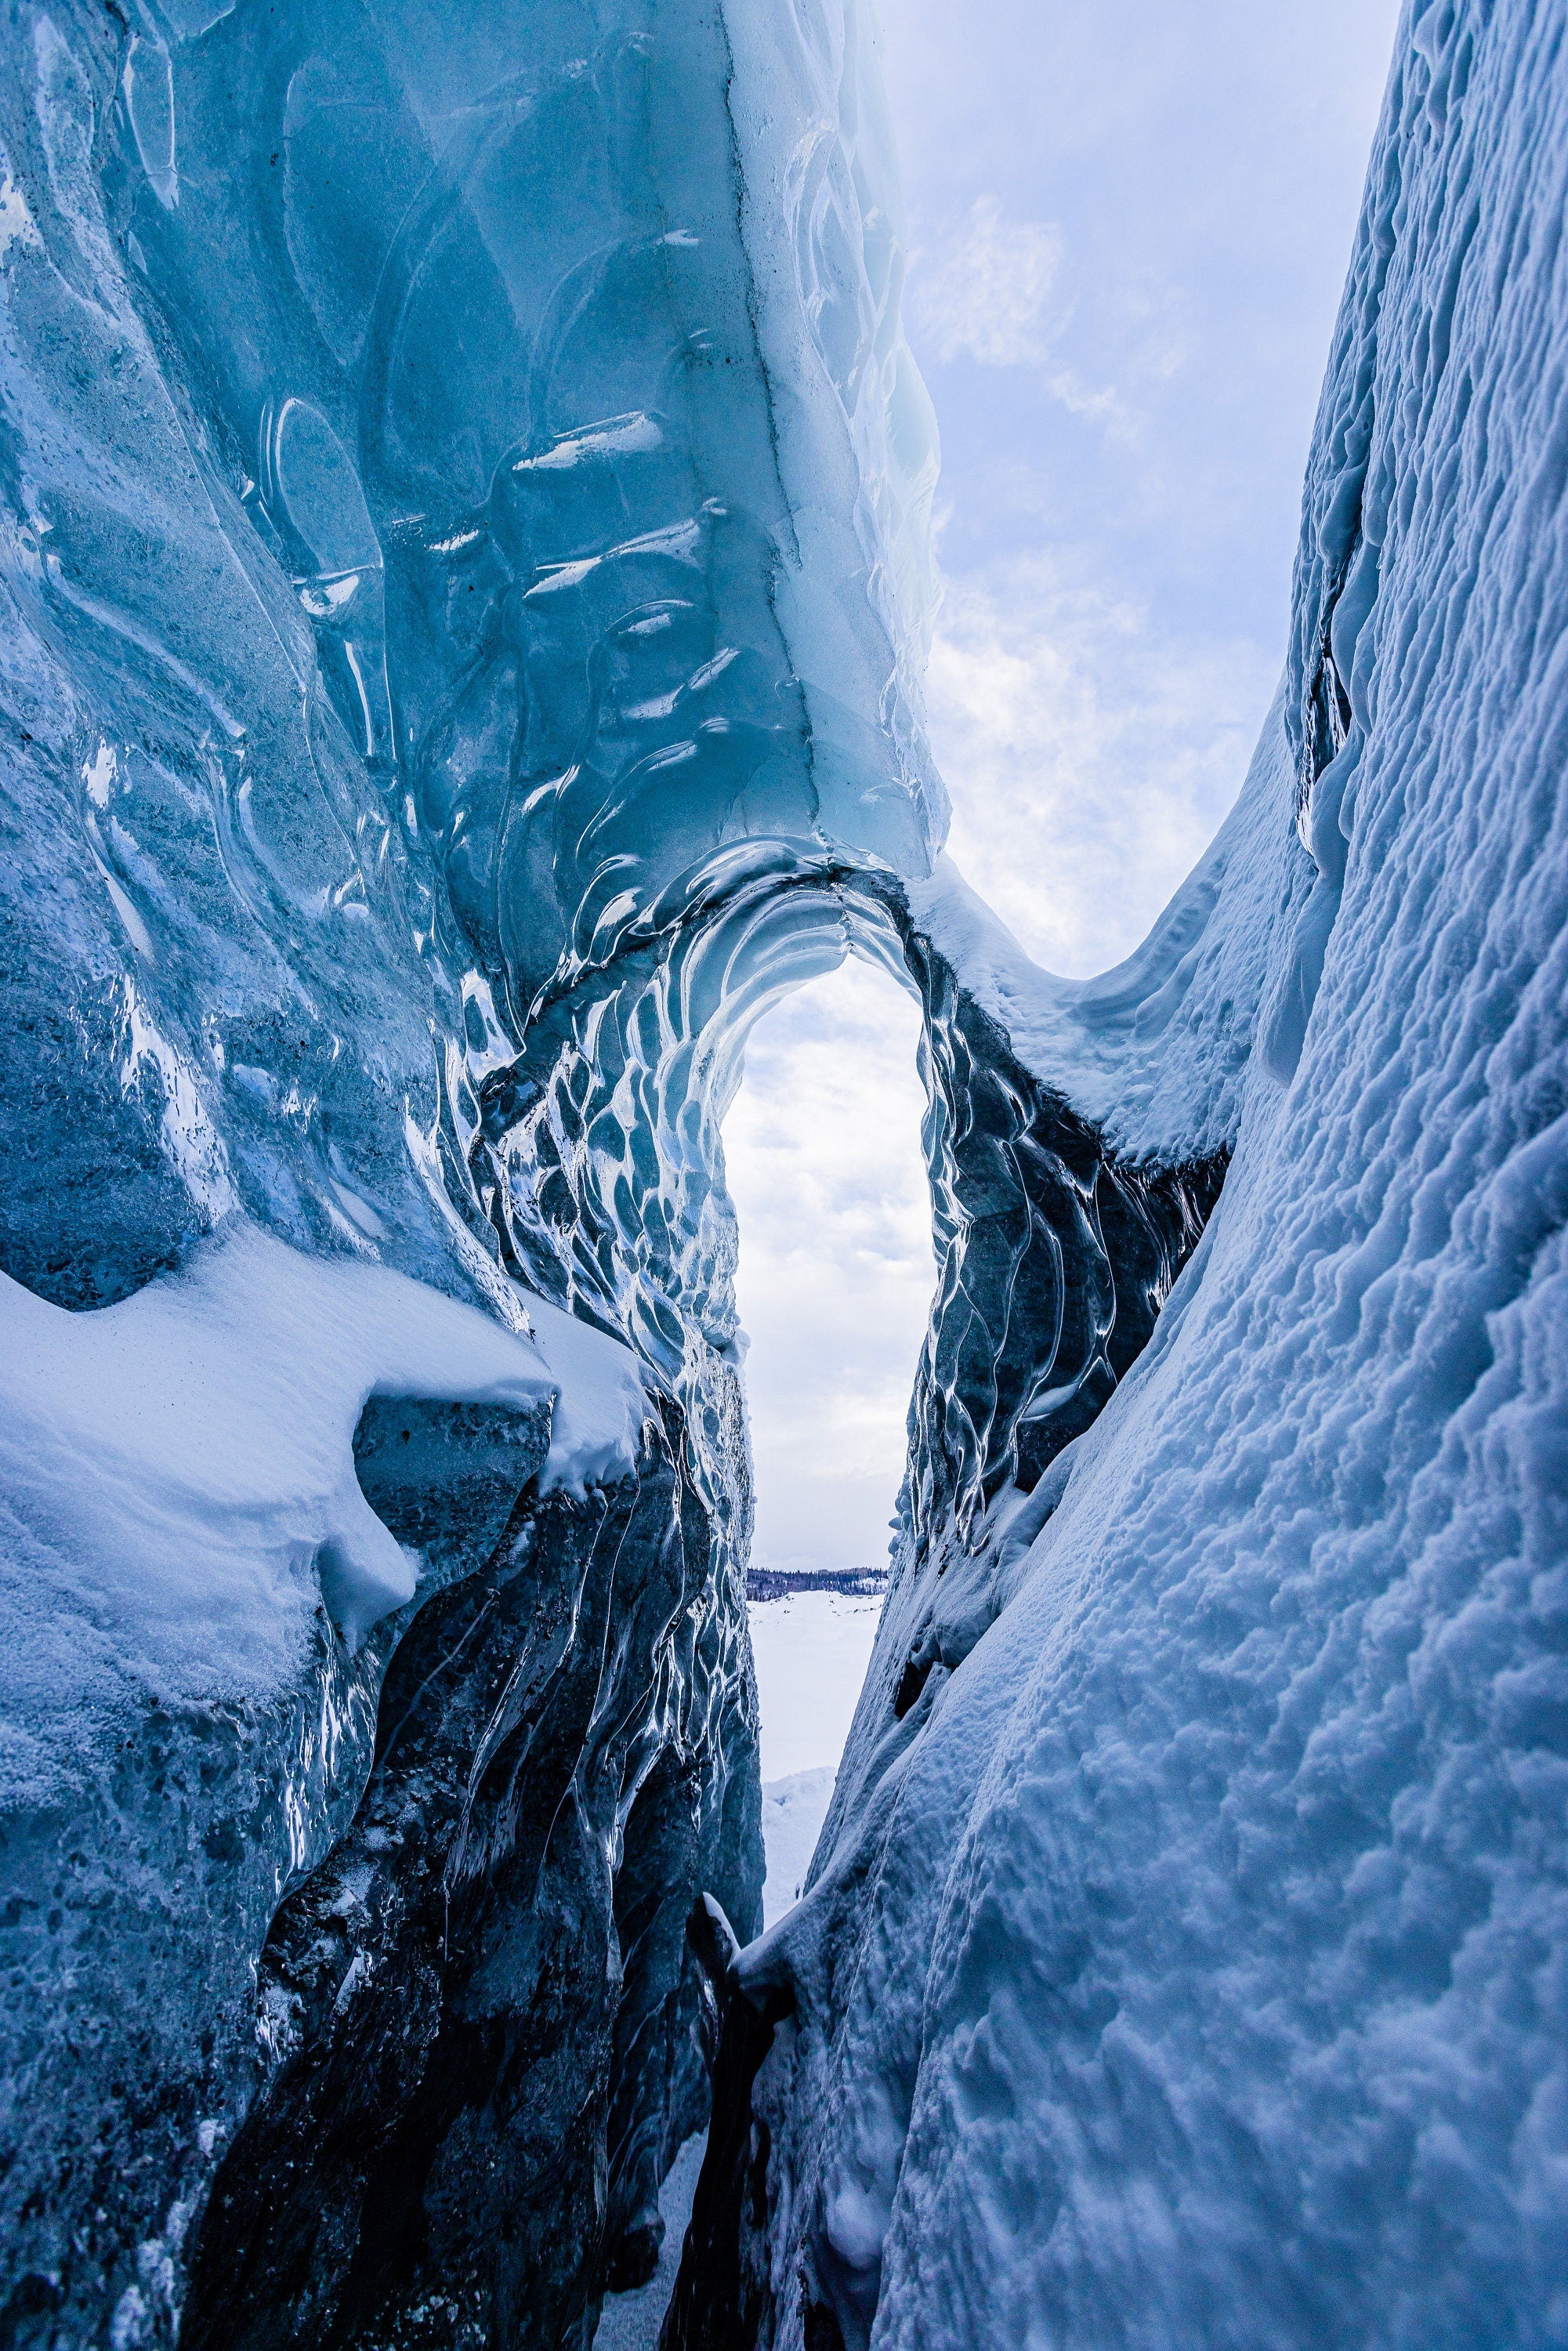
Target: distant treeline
777, 1583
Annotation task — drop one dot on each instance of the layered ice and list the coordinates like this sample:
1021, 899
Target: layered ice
1184, 1955
465, 559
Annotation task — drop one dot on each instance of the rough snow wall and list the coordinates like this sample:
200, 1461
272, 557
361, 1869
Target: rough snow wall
446, 691
1188, 1964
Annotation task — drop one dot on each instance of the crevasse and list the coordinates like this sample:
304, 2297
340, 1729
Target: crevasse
464, 504
1182, 1957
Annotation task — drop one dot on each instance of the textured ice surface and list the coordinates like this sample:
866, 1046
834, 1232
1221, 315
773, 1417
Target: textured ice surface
463, 554
463, 503
424, 573
1184, 1962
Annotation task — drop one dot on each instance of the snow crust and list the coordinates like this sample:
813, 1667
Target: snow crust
179, 1467
1188, 1965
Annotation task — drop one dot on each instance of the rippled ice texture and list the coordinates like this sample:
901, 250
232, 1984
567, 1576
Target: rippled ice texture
457, 529
464, 501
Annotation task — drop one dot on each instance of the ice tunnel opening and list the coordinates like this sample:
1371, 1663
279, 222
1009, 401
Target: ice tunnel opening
824, 1164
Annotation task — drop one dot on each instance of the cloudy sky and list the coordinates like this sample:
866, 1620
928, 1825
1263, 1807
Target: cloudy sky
1129, 222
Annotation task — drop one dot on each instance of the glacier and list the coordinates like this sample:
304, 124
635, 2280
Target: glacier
466, 549
459, 660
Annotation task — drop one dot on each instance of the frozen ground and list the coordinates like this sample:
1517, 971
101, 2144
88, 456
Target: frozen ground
630, 2322
812, 1652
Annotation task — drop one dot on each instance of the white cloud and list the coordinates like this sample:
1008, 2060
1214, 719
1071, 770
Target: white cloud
1090, 758
836, 1272
985, 289
1104, 407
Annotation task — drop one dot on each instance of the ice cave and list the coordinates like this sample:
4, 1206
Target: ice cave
466, 504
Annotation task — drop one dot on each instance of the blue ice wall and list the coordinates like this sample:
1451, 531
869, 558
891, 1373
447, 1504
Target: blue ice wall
439, 561
463, 541
1184, 1958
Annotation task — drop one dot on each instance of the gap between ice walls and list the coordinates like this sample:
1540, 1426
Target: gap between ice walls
1183, 1958
466, 509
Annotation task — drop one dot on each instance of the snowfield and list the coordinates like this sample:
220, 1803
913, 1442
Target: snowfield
811, 1650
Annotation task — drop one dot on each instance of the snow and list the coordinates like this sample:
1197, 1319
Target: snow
630, 2322
179, 1467
1186, 1966
811, 1650
793, 1811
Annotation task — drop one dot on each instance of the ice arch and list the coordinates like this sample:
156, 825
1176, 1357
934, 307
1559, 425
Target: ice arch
466, 582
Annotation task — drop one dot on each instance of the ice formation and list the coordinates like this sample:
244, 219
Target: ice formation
1183, 1961
465, 504
465, 573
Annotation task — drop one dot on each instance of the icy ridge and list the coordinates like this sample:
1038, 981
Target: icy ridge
1155, 1050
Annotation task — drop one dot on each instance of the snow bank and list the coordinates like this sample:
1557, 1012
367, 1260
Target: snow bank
179, 1467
